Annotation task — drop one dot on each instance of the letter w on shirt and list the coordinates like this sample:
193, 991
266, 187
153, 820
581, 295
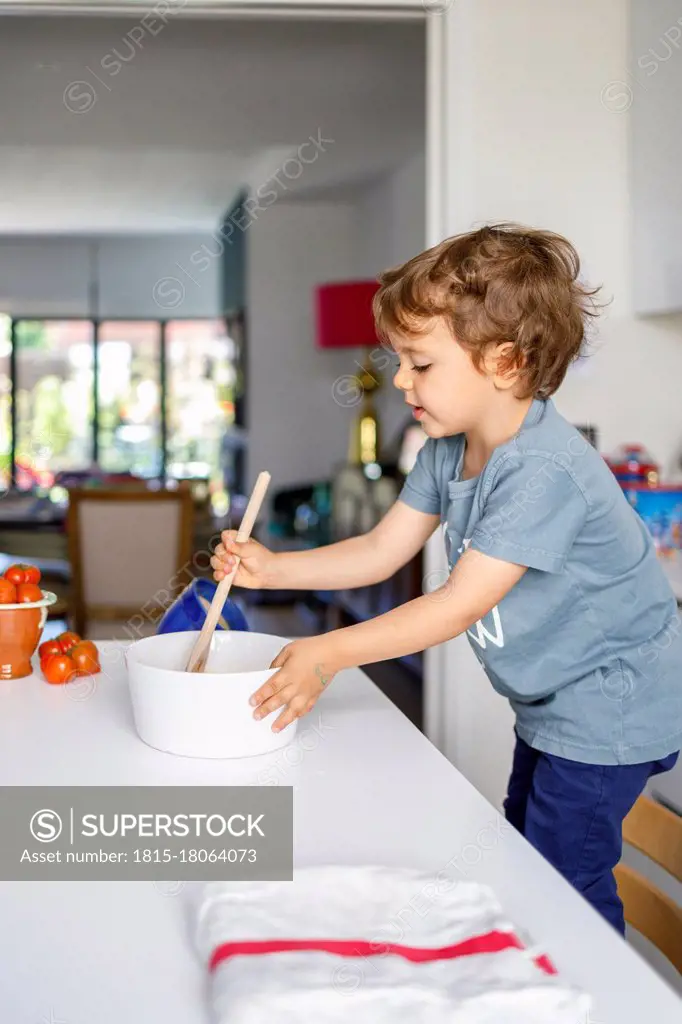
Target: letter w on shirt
481, 635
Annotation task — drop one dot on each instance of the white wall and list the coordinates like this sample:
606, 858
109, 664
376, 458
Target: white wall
297, 430
146, 276
44, 276
630, 389
529, 139
391, 228
532, 141
160, 277
651, 91
391, 217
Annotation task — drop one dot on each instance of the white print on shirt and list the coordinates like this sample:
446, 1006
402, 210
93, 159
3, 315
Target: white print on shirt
482, 635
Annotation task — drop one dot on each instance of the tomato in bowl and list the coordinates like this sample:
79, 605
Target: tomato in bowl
23, 612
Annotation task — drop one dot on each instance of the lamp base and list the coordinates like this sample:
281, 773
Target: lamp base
365, 438
364, 445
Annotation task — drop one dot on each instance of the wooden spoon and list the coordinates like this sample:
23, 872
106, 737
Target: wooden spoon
199, 656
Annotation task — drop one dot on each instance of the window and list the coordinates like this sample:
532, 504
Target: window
151, 398
54, 376
129, 397
5, 403
200, 391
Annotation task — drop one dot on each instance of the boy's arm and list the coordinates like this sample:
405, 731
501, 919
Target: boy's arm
477, 583
359, 561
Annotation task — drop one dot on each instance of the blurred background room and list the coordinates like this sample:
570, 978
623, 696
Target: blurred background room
195, 203
175, 193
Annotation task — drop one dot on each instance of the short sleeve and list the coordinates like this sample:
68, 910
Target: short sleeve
421, 489
532, 514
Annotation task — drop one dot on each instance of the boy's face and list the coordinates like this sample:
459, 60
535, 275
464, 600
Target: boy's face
439, 380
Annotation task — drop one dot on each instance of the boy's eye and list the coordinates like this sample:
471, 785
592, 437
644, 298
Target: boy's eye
421, 369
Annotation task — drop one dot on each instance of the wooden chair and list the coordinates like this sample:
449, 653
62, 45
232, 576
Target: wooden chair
131, 554
657, 833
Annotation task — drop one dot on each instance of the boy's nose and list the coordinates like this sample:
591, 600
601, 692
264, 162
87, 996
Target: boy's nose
401, 380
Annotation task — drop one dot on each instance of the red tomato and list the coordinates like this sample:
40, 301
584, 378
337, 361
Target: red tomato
49, 647
28, 592
21, 572
59, 668
68, 640
8, 592
91, 647
84, 659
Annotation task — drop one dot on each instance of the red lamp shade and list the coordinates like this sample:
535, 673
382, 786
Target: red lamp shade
344, 316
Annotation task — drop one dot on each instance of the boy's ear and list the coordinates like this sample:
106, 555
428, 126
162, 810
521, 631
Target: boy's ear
500, 365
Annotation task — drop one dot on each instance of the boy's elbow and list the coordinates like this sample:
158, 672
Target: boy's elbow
387, 564
378, 563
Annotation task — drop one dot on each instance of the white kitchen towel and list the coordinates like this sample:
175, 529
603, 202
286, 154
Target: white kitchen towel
373, 945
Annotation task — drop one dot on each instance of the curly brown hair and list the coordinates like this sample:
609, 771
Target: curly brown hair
501, 283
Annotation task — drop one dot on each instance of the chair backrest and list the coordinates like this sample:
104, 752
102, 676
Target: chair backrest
656, 832
130, 552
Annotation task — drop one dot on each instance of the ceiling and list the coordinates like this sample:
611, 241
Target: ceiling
111, 125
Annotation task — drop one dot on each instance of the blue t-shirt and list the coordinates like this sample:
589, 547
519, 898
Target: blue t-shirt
587, 646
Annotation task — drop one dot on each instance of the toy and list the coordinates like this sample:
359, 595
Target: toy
661, 510
188, 611
632, 463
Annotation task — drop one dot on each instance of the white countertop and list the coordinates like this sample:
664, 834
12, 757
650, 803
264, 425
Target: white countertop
368, 788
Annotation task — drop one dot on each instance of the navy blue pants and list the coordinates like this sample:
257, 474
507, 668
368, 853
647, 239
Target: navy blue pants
572, 813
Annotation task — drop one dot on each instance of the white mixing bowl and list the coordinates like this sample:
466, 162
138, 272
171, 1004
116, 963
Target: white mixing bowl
204, 714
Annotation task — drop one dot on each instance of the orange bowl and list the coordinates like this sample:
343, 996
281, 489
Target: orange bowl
21, 626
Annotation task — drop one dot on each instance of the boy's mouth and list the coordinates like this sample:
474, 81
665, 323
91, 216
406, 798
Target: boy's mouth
418, 411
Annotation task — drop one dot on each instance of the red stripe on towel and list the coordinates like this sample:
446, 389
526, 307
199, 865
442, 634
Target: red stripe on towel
492, 942
545, 964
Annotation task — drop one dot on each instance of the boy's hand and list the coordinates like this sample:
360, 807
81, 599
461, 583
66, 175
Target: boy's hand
256, 568
304, 672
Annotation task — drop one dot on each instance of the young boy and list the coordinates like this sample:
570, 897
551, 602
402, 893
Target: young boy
553, 576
